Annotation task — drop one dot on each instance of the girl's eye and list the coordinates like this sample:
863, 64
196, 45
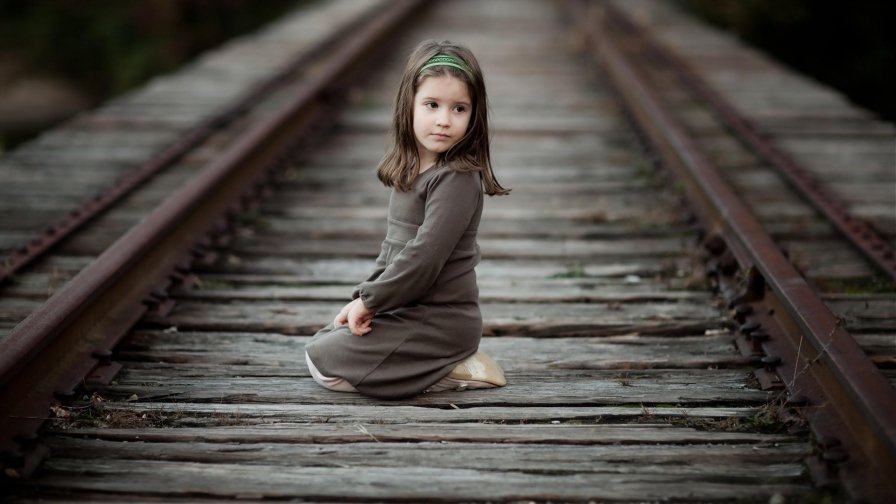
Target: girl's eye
431, 105
460, 109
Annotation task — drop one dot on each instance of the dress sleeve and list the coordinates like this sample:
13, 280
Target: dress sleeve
452, 200
356, 292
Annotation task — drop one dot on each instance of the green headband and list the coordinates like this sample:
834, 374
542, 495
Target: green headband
446, 60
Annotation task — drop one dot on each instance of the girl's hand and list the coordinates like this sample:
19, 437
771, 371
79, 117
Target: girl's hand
342, 318
359, 318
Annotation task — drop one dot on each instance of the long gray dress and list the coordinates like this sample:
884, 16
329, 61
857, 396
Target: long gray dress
423, 292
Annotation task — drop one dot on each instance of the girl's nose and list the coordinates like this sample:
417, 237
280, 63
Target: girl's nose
443, 118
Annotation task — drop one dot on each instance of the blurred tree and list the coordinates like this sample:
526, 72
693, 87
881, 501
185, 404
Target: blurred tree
105, 47
849, 45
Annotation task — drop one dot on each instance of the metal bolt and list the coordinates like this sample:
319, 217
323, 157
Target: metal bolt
728, 264
770, 362
797, 401
741, 311
835, 456
758, 338
715, 245
64, 395
103, 356
749, 327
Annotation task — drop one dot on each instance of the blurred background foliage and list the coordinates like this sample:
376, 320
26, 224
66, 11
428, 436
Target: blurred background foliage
850, 45
100, 48
105, 47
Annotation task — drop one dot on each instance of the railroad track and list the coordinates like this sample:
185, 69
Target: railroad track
68, 339
783, 318
591, 294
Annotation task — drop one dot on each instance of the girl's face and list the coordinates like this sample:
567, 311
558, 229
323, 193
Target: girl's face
442, 110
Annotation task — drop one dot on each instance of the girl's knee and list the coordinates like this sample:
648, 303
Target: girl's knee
336, 383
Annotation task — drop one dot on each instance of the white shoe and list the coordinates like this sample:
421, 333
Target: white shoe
479, 367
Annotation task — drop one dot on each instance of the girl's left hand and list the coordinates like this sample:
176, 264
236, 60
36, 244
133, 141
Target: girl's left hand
359, 318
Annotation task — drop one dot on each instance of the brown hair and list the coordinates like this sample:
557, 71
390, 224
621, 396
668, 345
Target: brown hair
400, 165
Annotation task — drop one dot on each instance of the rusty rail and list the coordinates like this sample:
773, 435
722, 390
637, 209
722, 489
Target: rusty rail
40, 242
860, 233
49, 354
848, 402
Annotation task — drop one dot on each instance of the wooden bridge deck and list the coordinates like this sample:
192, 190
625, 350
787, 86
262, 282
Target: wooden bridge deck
623, 380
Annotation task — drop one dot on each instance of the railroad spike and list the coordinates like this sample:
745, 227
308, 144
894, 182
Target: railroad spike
64, 395
741, 311
749, 327
828, 442
715, 245
104, 357
758, 338
728, 264
835, 456
797, 401
770, 362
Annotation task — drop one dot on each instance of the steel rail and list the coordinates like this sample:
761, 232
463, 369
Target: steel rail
50, 352
859, 232
42, 241
848, 402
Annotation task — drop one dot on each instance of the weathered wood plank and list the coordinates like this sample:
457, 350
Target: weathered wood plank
526, 319
507, 248
271, 354
868, 313
543, 291
327, 433
354, 270
324, 226
773, 462
185, 414
559, 387
330, 171
370, 189
415, 483
881, 347
596, 211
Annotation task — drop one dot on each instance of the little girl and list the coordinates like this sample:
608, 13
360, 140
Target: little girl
414, 325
